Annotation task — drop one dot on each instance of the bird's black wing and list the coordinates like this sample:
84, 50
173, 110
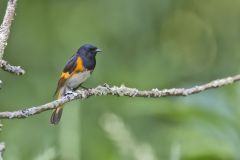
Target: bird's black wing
68, 69
72, 63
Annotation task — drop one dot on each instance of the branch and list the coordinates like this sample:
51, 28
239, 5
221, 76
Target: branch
118, 91
6, 24
4, 34
12, 69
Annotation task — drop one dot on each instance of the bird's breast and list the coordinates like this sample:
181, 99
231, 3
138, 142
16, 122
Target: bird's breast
78, 78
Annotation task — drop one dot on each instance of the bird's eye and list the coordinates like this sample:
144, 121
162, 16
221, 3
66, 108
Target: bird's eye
93, 49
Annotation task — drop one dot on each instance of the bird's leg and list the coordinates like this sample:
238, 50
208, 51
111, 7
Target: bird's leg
68, 92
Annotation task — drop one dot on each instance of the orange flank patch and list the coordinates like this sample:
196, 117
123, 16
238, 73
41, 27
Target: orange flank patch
79, 67
65, 75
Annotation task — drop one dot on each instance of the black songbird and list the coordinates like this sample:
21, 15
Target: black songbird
77, 70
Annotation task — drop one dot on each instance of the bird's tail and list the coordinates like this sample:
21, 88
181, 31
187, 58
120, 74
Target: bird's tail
57, 113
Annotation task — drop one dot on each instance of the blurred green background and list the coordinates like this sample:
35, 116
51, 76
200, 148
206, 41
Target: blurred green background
147, 44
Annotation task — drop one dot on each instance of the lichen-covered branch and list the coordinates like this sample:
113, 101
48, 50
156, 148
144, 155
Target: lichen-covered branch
6, 25
105, 89
4, 34
12, 69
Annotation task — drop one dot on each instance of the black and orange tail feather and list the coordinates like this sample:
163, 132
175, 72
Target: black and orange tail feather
56, 115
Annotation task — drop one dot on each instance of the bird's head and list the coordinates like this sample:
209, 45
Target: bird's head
88, 51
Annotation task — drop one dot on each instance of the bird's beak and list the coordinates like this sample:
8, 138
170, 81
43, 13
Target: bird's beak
98, 50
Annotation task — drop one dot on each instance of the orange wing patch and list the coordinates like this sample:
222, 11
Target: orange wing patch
79, 67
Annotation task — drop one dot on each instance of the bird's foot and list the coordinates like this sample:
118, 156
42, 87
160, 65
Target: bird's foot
105, 85
69, 92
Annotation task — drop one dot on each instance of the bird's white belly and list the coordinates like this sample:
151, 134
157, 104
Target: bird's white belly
75, 80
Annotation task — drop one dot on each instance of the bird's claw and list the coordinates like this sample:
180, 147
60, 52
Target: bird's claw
106, 85
68, 93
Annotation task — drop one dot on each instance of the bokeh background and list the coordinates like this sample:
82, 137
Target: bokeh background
147, 44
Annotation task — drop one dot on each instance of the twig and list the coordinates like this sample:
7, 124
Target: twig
6, 24
118, 91
12, 69
4, 34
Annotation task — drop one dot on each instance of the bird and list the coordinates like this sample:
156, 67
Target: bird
77, 70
